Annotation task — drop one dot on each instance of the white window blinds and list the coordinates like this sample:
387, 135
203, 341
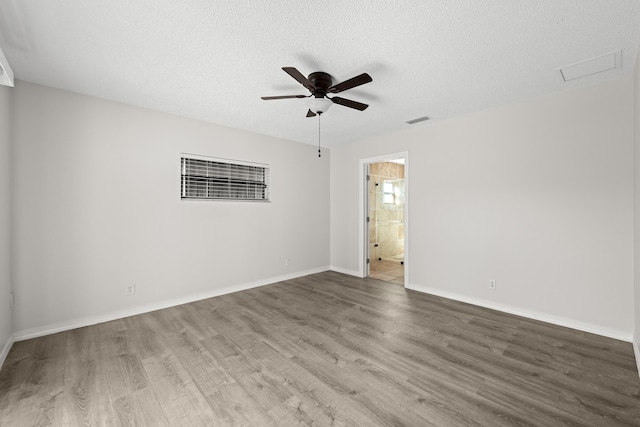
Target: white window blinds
221, 179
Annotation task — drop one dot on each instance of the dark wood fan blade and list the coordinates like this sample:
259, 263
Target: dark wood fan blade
266, 98
293, 72
351, 83
311, 114
349, 103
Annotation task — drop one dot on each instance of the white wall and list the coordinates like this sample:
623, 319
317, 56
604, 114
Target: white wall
5, 226
538, 196
96, 207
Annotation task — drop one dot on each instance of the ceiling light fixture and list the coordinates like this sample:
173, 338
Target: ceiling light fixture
319, 105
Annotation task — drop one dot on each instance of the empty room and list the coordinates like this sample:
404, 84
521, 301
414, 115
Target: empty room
244, 213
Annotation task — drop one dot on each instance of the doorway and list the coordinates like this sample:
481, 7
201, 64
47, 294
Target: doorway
384, 216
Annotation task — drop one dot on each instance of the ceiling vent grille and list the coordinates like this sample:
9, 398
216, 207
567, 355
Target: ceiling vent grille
603, 63
418, 120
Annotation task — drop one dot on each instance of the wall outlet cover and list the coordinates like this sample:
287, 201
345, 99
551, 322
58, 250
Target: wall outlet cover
131, 289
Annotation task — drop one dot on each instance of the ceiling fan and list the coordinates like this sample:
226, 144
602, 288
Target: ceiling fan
320, 84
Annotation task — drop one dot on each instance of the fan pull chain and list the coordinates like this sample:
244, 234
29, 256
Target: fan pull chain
319, 153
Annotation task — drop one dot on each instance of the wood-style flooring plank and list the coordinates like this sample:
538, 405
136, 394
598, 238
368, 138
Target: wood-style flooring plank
323, 350
180, 399
139, 408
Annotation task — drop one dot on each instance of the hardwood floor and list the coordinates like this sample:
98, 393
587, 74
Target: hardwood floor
325, 349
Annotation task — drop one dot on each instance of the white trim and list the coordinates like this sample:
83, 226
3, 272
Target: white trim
6, 349
92, 320
345, 271
366, 204
530, 314
636, 351
362, 225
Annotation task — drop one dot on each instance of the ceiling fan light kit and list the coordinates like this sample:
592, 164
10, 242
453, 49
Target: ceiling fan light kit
319, 105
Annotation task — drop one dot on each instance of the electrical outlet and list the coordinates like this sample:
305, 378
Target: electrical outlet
287, 262
492, 284
131, 289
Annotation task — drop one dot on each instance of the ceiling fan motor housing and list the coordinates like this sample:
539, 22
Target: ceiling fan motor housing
322, 82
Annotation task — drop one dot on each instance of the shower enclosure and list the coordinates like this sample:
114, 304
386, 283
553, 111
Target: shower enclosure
386, 211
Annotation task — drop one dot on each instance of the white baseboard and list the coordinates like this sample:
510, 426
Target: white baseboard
345, 271
6, 349
636, 351
530, 314
92, 320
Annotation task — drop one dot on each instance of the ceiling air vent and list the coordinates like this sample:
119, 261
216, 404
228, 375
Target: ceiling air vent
418, 120
600, 64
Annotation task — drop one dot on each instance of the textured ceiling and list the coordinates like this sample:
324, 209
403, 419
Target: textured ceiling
212, 60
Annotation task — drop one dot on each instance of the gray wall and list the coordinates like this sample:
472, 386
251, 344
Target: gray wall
537, 196
5, 226
96, 207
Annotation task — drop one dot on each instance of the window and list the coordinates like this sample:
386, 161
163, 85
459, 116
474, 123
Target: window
388, 193
221, 179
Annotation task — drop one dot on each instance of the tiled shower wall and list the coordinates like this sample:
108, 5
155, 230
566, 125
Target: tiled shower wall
386, 226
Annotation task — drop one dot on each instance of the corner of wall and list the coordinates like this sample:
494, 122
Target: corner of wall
5, 350
636, 207
636, 351
6, 138
345, 271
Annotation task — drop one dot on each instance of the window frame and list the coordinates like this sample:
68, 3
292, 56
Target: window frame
391, 193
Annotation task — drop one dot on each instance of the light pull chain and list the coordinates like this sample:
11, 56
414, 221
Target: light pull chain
319, 153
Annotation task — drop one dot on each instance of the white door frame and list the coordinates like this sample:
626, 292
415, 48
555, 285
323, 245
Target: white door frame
363, 249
